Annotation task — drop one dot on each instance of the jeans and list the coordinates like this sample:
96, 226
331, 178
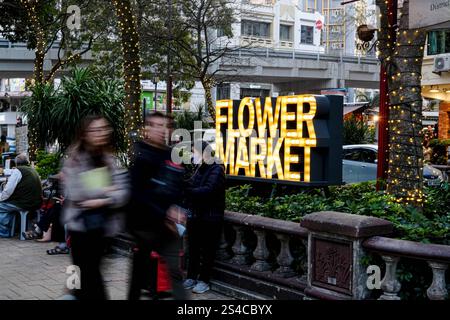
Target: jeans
7, 211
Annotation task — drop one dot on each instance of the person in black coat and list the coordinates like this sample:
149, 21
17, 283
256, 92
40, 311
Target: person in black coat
205, 195
155, 190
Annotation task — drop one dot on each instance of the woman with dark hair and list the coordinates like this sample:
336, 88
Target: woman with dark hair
93, 186
205, 194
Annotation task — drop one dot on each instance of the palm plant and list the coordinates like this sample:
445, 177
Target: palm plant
186, 119
55, 116
83, 94
37, 109
355, 131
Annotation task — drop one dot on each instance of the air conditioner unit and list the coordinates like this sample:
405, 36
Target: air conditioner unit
441, 63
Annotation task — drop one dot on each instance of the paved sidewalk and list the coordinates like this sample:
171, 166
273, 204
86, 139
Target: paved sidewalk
27, 272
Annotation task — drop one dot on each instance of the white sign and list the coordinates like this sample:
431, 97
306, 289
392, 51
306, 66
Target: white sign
427, 13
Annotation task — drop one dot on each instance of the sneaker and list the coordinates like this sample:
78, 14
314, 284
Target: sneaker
201, 287
189, 283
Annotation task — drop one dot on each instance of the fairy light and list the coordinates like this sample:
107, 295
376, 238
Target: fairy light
405, 146
132, 68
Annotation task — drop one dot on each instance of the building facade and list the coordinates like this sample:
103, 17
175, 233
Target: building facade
436, 76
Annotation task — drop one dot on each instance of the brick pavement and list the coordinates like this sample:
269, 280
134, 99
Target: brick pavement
28, 273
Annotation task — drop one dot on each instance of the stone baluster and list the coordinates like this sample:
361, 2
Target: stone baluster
261, 254
304, 261
239, 249
284, 259
437, 290
222, 253
390, 285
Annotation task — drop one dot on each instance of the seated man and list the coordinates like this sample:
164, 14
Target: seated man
23, 191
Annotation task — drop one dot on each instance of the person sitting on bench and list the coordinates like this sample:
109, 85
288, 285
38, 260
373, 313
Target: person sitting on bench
22, 192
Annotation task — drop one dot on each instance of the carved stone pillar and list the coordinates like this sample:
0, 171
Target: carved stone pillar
437, 290
284, 259
261, 254
335, 252
222, 253
390, 285
239, 249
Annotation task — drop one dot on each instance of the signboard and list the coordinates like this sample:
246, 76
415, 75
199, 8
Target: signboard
289, 139
319, 24
427, 13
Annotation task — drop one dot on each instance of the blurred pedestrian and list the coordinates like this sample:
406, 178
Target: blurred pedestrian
205, 195
93, 186
153, 215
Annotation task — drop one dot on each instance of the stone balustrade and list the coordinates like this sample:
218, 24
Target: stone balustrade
321, 258
261, 247
391, 251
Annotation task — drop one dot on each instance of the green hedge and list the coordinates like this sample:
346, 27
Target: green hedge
432, 225
47, 163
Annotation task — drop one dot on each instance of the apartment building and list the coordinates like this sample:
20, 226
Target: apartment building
341, 23
436, 76
280, 25
272, 25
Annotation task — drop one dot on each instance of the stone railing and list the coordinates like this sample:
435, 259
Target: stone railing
320, 258
256, 254
392, 250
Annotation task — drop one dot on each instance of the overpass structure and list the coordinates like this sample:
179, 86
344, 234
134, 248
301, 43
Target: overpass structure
286, 70
283, 72
296, 71
16, 61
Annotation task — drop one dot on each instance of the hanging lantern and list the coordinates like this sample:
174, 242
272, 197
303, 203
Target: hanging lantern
365, 33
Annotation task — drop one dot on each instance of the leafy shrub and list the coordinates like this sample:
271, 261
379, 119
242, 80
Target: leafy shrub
47, 163
439, 153
56, 115
356, 131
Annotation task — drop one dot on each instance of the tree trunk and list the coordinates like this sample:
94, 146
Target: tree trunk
403, 63
207, 86
132, 68
30, 7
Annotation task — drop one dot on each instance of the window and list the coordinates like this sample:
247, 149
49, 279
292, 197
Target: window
353, 154
307, 35
360, 155
255, 29
438, 42
285, 33
220, 33
369, 156
223, 91
254, 93
4, 130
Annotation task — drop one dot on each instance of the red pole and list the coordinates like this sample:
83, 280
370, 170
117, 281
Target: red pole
383, 134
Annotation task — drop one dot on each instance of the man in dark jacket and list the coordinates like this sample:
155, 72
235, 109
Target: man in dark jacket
155, 189
23, 191
206, 197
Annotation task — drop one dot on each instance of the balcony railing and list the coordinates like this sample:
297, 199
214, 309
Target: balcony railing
256, 42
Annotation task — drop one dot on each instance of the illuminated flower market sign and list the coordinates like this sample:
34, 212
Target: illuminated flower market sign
293, 139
